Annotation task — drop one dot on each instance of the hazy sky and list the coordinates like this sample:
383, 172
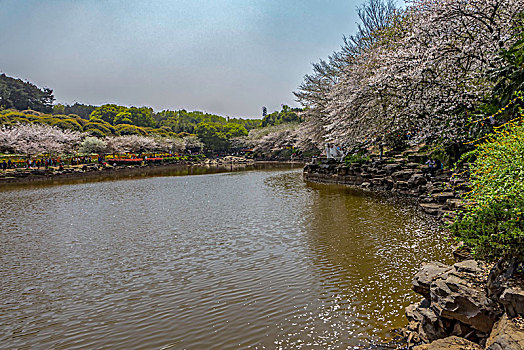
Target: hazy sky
229, 57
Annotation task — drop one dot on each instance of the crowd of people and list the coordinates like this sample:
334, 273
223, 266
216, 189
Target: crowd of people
44, 162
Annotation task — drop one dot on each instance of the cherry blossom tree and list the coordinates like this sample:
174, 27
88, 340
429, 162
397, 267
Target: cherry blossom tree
193, 142
171, 144
131, 143
33, 139
422, 70
92, 144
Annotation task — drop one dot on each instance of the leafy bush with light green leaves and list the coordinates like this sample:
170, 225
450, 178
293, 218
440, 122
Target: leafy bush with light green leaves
493, 222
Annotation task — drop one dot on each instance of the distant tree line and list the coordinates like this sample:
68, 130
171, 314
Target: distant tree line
25, 103
16, 93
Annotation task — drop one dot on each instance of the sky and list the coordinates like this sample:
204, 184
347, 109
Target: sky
228, 57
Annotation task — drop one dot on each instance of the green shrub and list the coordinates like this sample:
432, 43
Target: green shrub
104, 128
359, 157
492, 222
95, 133
494, 231
19, 120
126, 129
70, 124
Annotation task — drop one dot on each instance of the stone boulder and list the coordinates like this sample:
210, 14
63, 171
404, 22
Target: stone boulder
459, 295
425, 322
431, 208
391, 168
417, 180
513, 301
402, 175
423, 278
507, 334
449, 343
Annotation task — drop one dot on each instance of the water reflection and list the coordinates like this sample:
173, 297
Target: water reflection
363, 252
132, 173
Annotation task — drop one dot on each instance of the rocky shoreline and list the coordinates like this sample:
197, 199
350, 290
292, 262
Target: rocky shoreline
459, 309
437, 195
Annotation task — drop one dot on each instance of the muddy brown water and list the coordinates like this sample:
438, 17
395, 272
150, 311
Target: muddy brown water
227, 260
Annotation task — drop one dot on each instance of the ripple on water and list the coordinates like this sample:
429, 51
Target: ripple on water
254, 259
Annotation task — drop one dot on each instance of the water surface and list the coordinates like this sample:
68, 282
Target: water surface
254, 259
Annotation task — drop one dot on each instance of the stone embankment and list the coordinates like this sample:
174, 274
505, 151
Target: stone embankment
436, 195
458, 311
94, 169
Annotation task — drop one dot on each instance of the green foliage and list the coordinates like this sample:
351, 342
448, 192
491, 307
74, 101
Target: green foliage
286, 115
142, 116
184, 121
70, 124
96, 133
492, 224
494, 231
104, 129
106, 113
59, 109
15, 93
359, 157
213, 135
249, 124
114, 114
126, 129
160, 132
81, 110
234, 130
122, 118
218, 136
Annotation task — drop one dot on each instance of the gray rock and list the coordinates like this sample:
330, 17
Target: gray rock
468, 266
453, 297
413, 165
426, 323
442, 197
391, 168
431, 208
417, 180
455, 203
402, 175
460, 329
449, 343
506, 335
461, 253
422, 280
513, 301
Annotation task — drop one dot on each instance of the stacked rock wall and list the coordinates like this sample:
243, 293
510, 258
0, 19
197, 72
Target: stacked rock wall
436, 195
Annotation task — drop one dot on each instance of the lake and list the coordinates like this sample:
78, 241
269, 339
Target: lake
227, 260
